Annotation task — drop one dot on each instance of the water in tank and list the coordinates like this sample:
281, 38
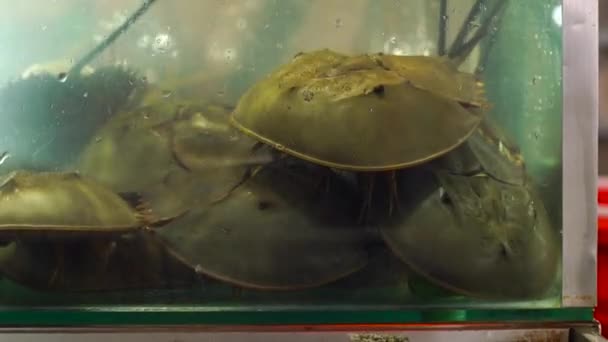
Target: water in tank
281, 153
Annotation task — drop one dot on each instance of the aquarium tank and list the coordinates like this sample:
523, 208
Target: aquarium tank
281, 156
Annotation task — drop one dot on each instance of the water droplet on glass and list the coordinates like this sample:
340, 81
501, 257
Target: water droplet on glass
535, 135
162, 43
146, 116
166, 93
279, 147
62, 77
241, 24
4, 157
371, 110
44, 27
98, 139
338, 23
393, 40
444, 17
85, 94
198, 269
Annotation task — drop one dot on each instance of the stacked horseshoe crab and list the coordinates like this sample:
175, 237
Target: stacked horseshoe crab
457, 206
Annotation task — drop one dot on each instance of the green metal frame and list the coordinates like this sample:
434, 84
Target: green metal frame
140, 316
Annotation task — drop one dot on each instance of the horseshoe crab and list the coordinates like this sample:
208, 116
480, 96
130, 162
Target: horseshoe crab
474, 224
476, 235
379, 120
64, 207
65, 204
174, 157
132, 151
279, 230
88, 265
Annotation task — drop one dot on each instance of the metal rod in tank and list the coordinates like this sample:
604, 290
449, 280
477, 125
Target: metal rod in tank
443, 23
466, 26
112, 37
461, 52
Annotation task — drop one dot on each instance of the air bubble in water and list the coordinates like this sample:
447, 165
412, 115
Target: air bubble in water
162, 43
229, 54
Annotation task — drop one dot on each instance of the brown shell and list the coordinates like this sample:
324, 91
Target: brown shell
438, 75
212, 156
174, 154
278, 231
132, 151
351, 113
63, 203
476, 235
205, 140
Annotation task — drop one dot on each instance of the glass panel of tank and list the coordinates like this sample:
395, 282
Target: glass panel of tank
289, 153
